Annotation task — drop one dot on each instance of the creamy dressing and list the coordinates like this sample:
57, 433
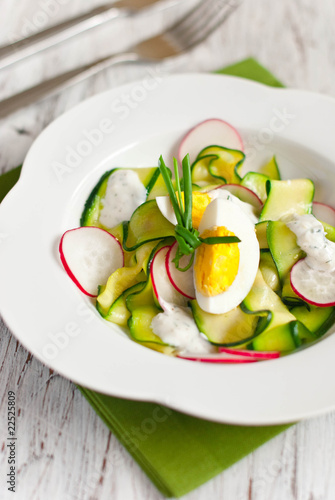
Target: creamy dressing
124, 193
312, 240
176, 327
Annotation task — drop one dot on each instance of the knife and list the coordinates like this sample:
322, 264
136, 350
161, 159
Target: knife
37, 42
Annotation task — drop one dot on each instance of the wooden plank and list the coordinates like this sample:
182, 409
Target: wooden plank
65, 451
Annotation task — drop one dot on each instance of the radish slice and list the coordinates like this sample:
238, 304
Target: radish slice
216, 358
314, 286
244, 194
256, 355
165, 292
90, 255
181, 280
324, 212
206, 133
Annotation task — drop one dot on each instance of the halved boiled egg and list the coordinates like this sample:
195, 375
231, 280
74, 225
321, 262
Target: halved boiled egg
225, 273
200, 201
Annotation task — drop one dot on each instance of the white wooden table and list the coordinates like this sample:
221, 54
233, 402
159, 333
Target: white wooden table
65, 451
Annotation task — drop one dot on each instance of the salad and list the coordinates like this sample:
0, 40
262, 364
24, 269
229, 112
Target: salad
202, 262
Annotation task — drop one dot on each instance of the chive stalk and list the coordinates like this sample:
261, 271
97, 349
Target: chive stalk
187, 237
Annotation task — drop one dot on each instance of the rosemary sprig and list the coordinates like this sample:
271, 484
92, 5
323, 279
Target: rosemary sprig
187, 236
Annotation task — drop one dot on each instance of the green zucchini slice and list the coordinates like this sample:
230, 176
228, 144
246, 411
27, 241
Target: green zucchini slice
269, 271
146, 224
271, 169
257, 183
286, 198
200, 171
119, 312
226, 165
124, 278
284, 338
283, 247
140, 325
260, 228
94, 203
279, 328
218, 165
317, 319
230, 329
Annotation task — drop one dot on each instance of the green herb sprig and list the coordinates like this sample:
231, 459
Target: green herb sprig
187, 236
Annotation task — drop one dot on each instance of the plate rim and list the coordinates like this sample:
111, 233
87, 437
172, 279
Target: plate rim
200, 412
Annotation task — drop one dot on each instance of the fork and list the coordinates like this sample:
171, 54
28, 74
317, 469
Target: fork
184, 35
50, 37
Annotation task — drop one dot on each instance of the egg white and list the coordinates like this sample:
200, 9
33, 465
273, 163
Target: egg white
221, 212
165, 205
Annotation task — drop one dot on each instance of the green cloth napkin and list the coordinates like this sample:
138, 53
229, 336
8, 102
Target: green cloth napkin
8, 180
178, 452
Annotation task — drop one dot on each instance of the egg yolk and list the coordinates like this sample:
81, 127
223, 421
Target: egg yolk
200, 201
216, 266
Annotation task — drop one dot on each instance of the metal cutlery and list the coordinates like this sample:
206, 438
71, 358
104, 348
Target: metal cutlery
185, 34
50, 37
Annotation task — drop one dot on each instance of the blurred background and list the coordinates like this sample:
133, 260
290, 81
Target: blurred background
295, 40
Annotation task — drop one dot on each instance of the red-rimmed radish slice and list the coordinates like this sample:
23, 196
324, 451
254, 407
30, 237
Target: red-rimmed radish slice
244, 194
181, 280
216, 358
90, 255
256, 355
313, 286
207, 133
165, 292
324, 212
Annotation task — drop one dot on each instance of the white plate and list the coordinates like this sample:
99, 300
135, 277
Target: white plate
60, 326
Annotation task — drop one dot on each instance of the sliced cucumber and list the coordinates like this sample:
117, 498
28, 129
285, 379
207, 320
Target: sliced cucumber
257, 183
283, 247
140, 324
269, 271
315, 318
124, 278
285, 253
329, 230
146, 224
117, 283
260, 228
94, 203
229, 329
147, 176
139, 295
282, 331
158, 187
283, 338
226, 165
117, 231
145, 295
200, 171
288, 296
91, 212
286, 198
118, 312
277, 339
141, 298
264, 302
271, 169
143, 307
151, 179
140, 327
